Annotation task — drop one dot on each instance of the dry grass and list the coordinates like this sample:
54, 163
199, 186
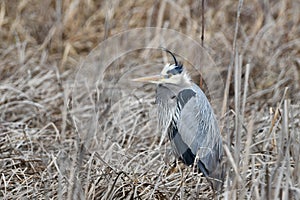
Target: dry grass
44, 154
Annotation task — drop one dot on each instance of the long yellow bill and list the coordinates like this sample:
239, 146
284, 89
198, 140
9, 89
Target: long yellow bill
151, 79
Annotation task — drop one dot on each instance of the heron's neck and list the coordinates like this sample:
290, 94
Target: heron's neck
186, 79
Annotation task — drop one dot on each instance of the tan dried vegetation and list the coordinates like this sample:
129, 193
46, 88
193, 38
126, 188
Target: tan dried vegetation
42, 155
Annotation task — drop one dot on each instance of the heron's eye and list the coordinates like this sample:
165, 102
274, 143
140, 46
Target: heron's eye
167, 75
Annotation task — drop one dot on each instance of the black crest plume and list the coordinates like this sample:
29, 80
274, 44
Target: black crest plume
176, 63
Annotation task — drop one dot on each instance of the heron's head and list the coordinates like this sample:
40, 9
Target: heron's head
171, 74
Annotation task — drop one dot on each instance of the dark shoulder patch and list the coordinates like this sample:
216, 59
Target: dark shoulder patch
184, 96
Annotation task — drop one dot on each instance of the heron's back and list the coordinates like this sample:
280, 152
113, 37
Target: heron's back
192, 127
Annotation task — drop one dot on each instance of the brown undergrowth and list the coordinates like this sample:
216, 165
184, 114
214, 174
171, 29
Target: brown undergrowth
42, 153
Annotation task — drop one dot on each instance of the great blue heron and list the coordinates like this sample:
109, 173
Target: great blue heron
189, 118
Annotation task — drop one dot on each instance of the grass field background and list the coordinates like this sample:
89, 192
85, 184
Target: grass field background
43, 154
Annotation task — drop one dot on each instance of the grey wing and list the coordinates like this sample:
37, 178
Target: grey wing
199, 129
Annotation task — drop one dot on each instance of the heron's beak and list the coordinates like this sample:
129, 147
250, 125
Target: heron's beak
149, 79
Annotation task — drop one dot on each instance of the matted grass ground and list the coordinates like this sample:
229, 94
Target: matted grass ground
42, 155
